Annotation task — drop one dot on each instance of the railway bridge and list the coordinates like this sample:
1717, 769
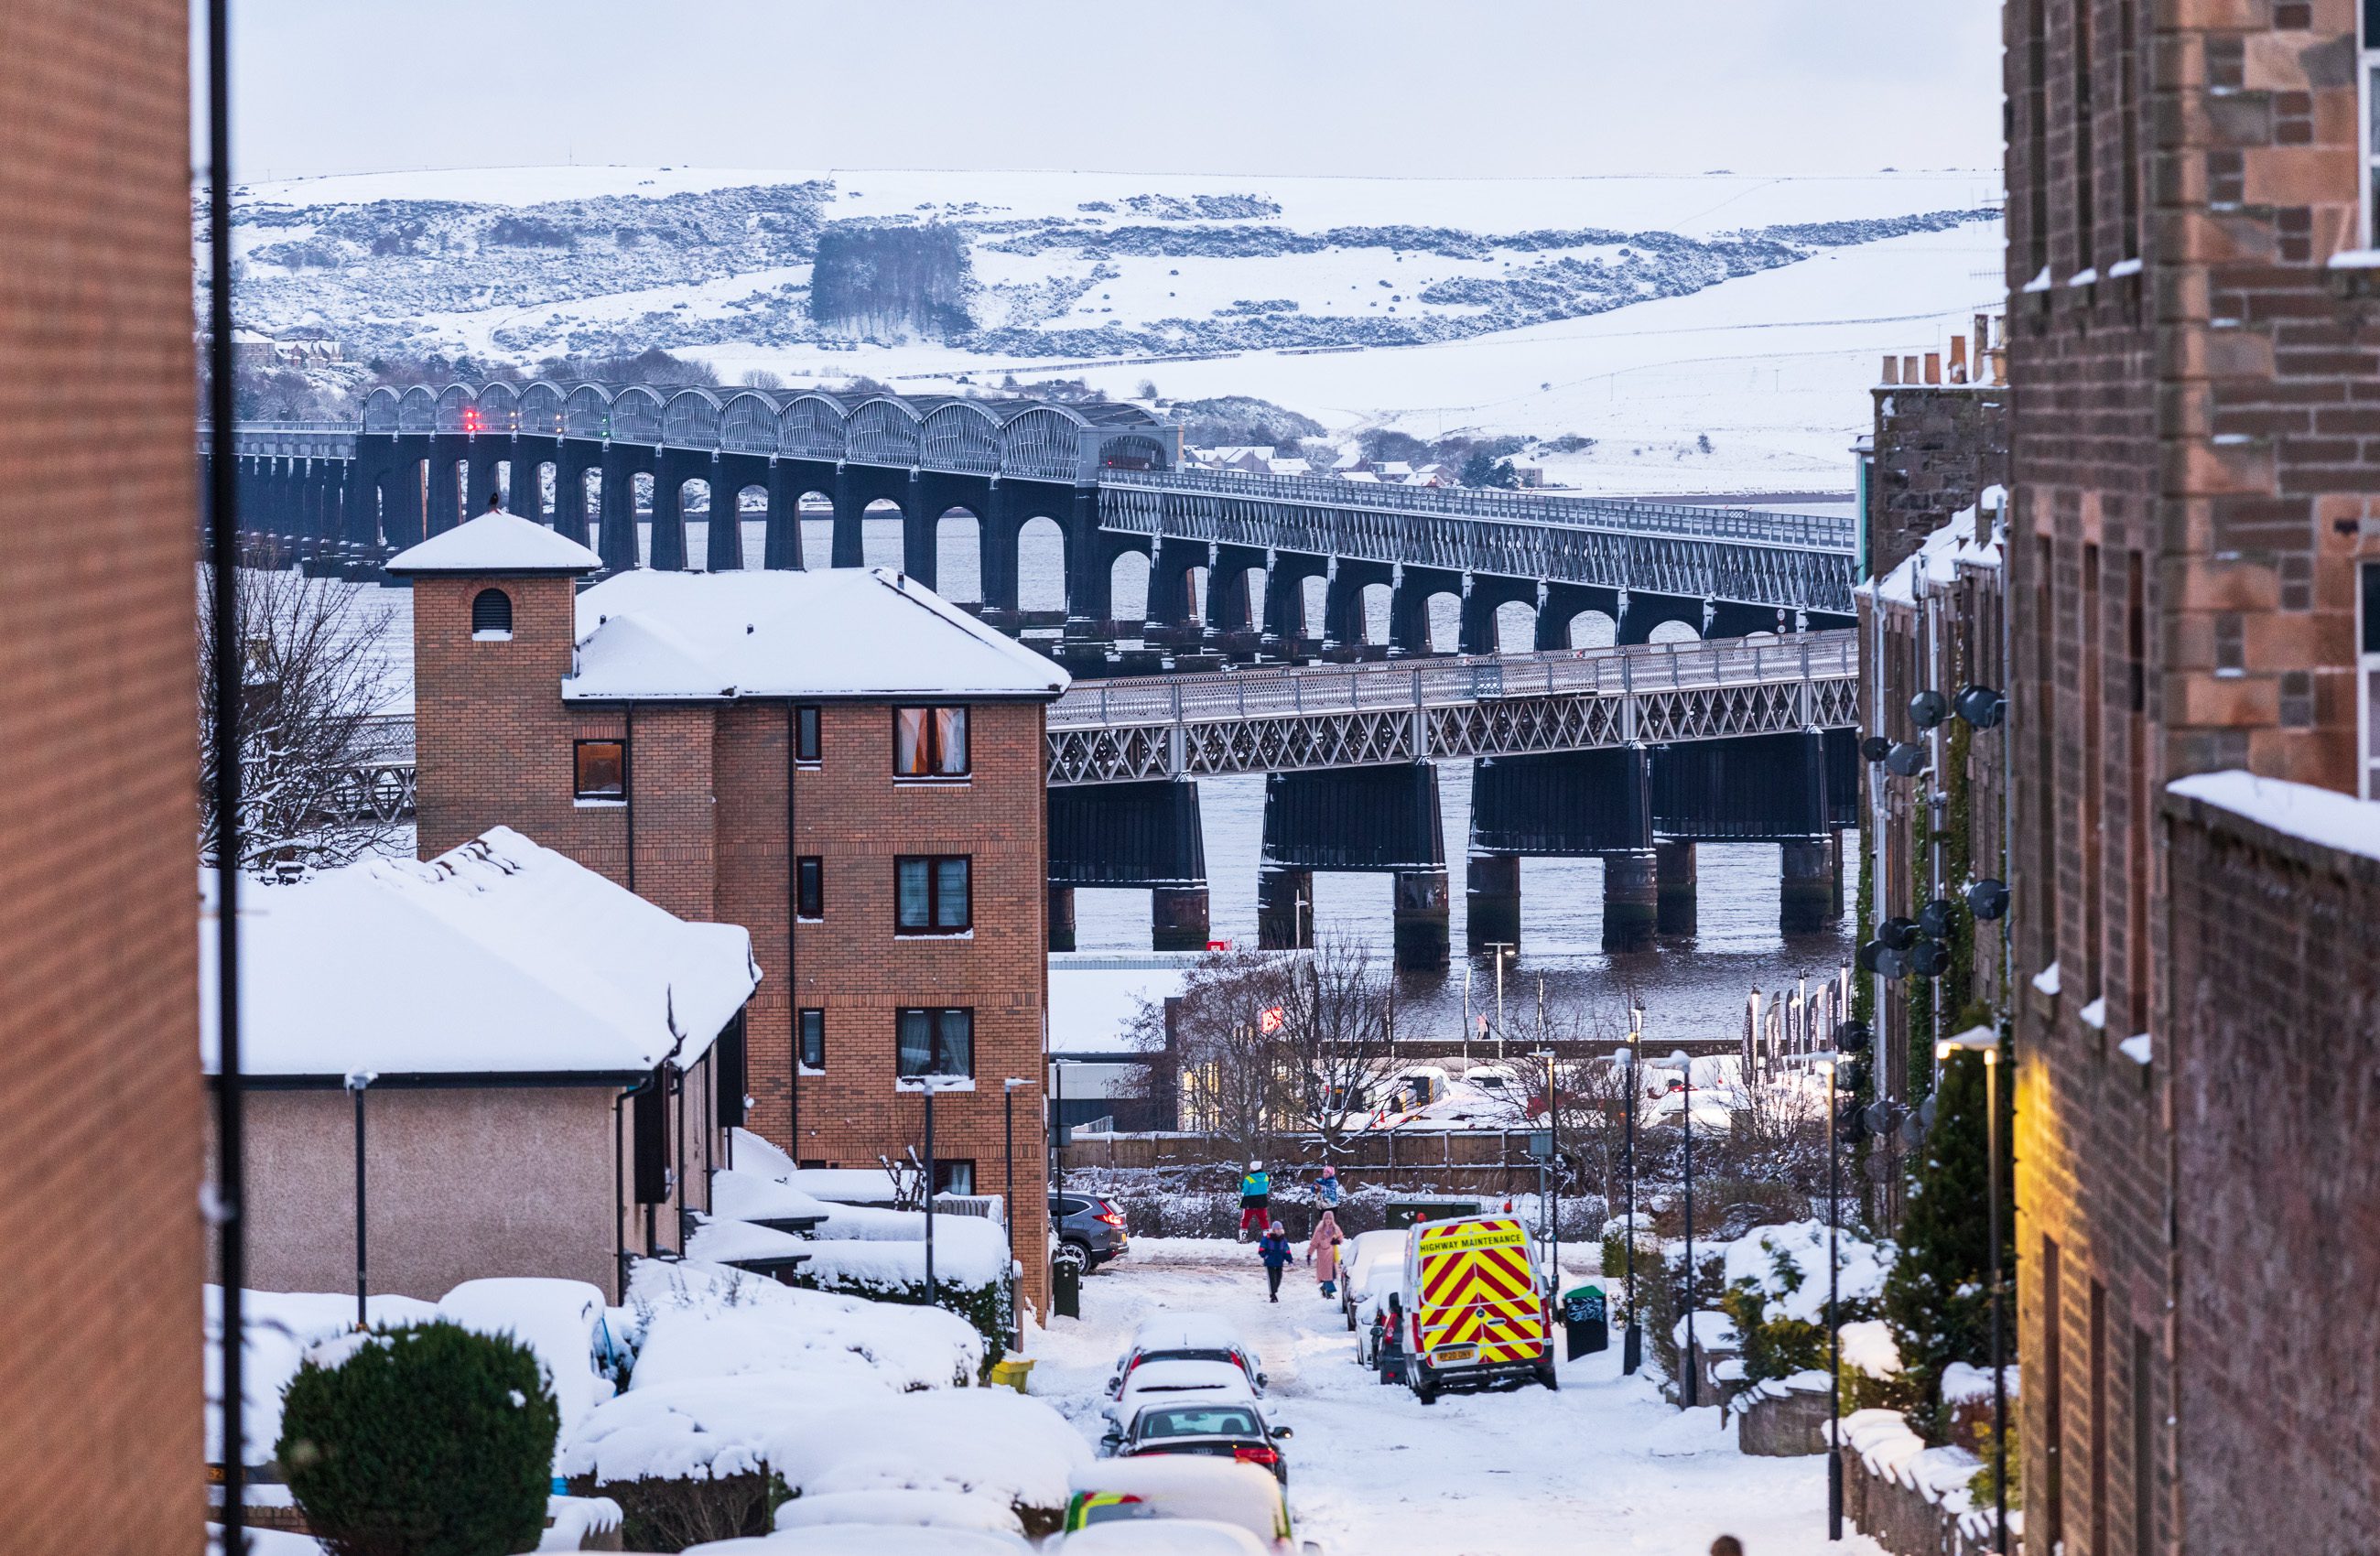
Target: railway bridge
646, 475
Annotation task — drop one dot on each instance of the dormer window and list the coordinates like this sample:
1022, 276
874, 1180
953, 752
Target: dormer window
492, 617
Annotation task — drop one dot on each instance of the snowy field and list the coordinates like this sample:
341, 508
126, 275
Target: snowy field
1603, 1465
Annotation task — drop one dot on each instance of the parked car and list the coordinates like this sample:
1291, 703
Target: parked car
1366, 1258
1165, 1494
1175, 1382
1200, 1337
1090, 1229
1220, 1431
1133, 1533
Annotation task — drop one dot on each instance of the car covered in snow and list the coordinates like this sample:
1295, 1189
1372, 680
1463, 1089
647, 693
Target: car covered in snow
1199, 1337
1370, 1267
1221, 1429
1176, 1382
1131, 1494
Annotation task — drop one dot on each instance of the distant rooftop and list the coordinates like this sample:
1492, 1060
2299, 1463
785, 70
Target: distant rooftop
836, 632
496, 542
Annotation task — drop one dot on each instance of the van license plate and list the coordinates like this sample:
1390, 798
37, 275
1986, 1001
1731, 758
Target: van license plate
1448, 1354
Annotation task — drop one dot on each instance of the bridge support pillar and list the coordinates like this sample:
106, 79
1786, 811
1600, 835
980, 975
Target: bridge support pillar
570, 467
617, 511
1805, 898
522, 496
1491, 901
1673, 864
1284, 908
722, 540
783, 545
482, 464
1172, 602
850, 509
1421, 919
1061, 918
1177, 919
1343, 605
1631, 900
445, 493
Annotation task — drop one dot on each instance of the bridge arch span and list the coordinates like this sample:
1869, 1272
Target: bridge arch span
748, 424
637, 416
962, 435
540, 409
884, 431
1041, 563
812, 427
416, 410
456, 408
498, 404
380, 410
587, 412
690, 418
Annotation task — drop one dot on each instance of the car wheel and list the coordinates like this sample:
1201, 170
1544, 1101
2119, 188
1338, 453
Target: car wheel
1075, 1254
1350, 1314
1424, 1392
1548, 1376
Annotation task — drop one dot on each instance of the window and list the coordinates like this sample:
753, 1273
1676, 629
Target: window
2368, 670
933, 895
812, 1051
935, 1042
929, 742
492, 617
806, 735
2372, 123
953, 1178
809, 887
601, 770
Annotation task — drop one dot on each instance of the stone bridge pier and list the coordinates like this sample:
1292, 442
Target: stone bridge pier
1563, 805
1379, 820
1343, 623
1135, 836
1794, 790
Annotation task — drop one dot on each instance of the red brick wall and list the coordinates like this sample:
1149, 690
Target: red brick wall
2202, 438
709, 784
100, 1102
2273, 1014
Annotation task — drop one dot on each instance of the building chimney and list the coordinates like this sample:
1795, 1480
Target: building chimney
1892, 370
1909, 370
1933, 367
1958, 358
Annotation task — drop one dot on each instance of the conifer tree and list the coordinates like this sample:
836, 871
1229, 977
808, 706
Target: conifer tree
1937, 1298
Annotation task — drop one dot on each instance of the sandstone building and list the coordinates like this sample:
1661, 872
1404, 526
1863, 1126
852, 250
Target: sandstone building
836, 760
2194, 352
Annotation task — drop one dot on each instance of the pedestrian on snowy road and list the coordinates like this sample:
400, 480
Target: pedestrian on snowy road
1326, 1189
1322, 1252
1727, 1545
1256, 1199
1274, 1249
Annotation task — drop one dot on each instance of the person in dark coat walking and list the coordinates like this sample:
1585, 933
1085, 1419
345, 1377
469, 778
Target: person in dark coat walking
1274, 1249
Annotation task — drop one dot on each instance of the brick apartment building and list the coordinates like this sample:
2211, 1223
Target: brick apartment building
2194, 349
835, 761
100, 1102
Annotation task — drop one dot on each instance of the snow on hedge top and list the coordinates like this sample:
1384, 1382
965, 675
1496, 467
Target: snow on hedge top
2299, 811
985, 1442
1764, 1258
834, 632
496, 956
704, 1320
496, 542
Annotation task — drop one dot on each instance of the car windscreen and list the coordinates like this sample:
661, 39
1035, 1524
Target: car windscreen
1211, 1420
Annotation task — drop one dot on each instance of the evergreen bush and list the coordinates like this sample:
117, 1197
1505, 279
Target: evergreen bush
1936, 1297
429, 1440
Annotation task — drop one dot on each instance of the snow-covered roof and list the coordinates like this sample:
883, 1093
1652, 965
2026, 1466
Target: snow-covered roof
2319, 816
496, 542
1935, 563
499, 957
837, 632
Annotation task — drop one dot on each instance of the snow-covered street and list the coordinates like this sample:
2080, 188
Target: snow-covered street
1603, 1465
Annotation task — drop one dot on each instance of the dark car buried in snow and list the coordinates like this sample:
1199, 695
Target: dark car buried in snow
1220, 1429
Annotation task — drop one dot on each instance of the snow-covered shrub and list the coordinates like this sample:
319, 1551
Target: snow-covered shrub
1615, 1245
967, 1279
985, 1442
431, 1441
693, 1321
1662, 1288
1776, 1294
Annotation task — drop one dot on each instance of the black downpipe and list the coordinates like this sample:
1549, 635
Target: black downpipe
223, 534
628, 783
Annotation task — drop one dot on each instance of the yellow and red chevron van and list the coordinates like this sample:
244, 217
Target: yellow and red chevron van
1479, 1309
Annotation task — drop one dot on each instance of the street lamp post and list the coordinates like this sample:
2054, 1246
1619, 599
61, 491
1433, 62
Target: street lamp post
1632, 1344
1694, 1336
1832, 1065
1552, 1208
1502, 948
930, 1085
1986, 1042
1008, 1189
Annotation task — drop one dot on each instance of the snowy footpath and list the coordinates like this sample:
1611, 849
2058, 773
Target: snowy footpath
1601, 1467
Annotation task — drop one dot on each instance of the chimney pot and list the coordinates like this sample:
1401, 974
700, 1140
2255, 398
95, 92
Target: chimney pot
1892, 370
1933, 367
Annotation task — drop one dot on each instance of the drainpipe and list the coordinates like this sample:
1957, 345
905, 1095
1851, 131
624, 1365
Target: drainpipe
359, 1081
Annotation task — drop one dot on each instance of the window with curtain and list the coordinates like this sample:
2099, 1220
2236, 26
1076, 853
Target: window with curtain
933, 895
600, 770
934, 1042
929, 742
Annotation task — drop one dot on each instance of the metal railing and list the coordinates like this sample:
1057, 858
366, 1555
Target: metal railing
1453, 681
1809, 531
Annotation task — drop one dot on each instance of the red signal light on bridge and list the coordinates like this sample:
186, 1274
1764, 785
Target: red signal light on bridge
472, 421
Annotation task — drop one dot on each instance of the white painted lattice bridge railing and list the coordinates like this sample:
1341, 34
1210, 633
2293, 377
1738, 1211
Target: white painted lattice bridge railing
1288, 720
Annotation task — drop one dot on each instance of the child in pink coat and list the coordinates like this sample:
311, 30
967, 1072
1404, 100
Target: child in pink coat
1322, 1252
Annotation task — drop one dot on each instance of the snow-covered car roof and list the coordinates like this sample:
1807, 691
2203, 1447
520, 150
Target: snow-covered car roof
1371, 1248
1182, 1487
901, 1507
1165, 1536
833, 632
1187, 1331
870, 1539
1169, 1376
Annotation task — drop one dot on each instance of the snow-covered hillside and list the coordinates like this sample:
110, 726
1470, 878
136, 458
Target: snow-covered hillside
1644, 314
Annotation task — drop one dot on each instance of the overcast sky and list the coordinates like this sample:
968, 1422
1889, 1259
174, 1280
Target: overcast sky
1398, 88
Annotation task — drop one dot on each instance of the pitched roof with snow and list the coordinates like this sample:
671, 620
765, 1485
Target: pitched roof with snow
499, 957
839, 632
496, 542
